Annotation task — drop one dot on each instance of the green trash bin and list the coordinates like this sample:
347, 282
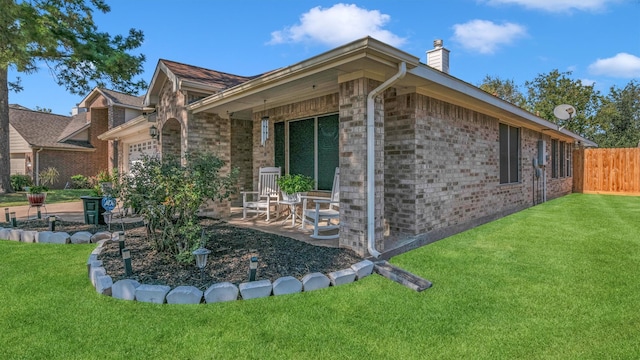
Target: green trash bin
93, 210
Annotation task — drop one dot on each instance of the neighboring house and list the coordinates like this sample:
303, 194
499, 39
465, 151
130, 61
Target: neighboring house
421, 153
108, 109
39, 140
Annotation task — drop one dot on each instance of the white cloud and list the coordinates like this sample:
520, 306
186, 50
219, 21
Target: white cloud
622, 65
337, 25
557, 5
485, 36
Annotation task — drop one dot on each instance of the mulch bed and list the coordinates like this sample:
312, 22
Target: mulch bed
231, 250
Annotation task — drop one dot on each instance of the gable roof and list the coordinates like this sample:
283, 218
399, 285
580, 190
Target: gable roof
114, 98
195, 78
46, 130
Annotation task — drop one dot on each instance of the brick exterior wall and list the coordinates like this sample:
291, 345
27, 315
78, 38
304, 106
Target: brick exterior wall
68, 164
170, 138
353, 165
171, 106
99, 125
241, 153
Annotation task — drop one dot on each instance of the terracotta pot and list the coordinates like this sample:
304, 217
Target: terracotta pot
36, 199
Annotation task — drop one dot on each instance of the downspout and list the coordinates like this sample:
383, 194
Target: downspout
371, 161
38, 166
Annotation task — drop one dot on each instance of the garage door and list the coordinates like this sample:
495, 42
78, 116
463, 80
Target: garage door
138, 150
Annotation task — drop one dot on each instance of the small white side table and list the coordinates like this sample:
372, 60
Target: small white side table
293, 204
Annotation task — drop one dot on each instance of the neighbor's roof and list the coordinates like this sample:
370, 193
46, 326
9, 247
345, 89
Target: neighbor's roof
122, 98
41, 129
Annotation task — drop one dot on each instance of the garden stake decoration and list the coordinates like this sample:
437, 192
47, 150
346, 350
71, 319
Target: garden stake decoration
253, 268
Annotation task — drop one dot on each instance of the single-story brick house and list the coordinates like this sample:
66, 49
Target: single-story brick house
421, 153
39, 140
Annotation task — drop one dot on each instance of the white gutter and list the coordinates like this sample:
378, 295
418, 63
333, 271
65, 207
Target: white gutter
371, 161
38, 166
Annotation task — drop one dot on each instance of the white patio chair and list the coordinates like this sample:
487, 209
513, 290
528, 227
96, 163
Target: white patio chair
325, 210
261, 201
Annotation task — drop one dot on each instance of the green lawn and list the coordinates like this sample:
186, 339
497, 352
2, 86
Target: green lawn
53, 196
557, 281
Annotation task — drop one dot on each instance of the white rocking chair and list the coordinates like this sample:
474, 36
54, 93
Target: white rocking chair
325, 210
261, 201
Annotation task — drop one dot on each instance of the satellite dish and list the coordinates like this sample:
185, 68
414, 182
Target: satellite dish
564, 111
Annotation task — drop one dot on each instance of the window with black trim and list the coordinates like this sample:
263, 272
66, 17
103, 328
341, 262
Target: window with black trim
569, 160
309, 147
562, 159
509, 154
554, 158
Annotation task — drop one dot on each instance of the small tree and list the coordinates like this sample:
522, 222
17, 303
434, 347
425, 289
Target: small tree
168, 195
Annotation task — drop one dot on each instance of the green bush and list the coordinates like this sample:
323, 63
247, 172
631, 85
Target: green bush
79, 182
298, 183
18, 182
168, 195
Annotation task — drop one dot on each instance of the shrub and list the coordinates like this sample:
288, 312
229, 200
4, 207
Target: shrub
49, 176
80, 182
168, 195
18, 182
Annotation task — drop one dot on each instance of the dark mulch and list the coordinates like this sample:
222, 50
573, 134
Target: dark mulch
231, 250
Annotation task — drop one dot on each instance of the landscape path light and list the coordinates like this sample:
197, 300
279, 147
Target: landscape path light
6, 215
253, 268
14, 221
201, 259
52, 223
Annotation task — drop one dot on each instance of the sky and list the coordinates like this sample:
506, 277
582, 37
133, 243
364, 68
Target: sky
598, 41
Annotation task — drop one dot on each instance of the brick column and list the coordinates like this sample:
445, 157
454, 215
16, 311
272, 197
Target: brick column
353, 164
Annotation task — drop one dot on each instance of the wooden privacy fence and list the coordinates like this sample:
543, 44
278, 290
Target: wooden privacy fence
607, 171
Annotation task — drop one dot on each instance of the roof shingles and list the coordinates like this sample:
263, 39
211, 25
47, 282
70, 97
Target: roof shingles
41, 129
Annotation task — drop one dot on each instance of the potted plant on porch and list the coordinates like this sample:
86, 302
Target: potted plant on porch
37, 195
294, 185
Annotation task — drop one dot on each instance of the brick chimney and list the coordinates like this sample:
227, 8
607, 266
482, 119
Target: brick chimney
438, 57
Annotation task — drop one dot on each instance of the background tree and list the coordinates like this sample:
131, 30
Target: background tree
547, 91
504, 89
62, 34
620, 114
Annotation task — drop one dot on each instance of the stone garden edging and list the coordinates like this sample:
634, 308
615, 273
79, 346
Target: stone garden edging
128, 289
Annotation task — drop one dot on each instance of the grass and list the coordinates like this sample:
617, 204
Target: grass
556, 281
53, 196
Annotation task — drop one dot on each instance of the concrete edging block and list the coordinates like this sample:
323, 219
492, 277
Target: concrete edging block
104, 284
255, 289
286, 285
152, 293
221, 292
363, 268
342, 277
185, 295
125, 289
315, 281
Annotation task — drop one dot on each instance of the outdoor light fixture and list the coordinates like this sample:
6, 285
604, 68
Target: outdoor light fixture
6, 215
253, 268
121, 241
52, 223
153, 132
126, 258
264, 126
14, 221
201, 259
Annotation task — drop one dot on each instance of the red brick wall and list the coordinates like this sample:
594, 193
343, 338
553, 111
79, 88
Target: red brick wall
68, 163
